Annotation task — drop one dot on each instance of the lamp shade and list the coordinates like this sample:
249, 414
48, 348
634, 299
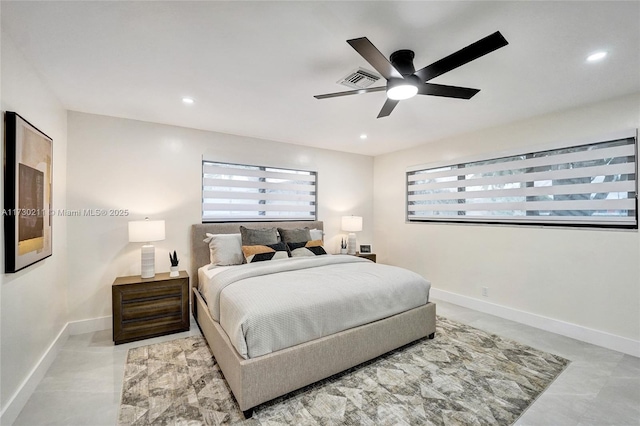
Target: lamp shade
144, 231
352, 223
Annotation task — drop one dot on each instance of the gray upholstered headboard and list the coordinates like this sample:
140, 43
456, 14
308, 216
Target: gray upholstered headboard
200, 249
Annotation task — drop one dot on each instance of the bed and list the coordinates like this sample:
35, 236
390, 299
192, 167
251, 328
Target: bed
259, 375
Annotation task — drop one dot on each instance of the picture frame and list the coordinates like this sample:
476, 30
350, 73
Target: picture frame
365, 248
28, 187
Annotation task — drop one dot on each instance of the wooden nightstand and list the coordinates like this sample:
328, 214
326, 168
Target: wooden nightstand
370, 256
149, 307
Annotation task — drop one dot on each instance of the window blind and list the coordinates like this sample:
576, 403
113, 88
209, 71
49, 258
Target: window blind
236, 192
586, 185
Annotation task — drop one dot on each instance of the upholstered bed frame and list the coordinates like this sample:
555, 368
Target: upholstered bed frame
257, 380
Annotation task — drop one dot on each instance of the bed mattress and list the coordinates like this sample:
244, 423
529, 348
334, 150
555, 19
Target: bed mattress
268, 306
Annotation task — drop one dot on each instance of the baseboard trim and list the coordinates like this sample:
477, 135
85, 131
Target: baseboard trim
89, 325
17, 402
578, 332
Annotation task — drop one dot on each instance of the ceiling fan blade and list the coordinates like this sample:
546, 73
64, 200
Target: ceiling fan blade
462, 56
371, 54
351, 92
388, 106
446, 91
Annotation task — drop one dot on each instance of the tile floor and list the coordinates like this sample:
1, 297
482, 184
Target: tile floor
600, 387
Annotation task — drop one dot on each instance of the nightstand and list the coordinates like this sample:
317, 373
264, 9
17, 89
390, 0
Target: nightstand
370, 256
149, 307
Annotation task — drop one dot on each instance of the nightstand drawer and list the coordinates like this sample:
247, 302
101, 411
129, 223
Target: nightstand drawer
151, 290
150, 325
140, 309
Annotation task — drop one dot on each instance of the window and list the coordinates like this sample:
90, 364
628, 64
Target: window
586, 185
236, 192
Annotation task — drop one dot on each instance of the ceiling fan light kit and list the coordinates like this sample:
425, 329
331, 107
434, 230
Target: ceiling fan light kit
400, 89
404, 82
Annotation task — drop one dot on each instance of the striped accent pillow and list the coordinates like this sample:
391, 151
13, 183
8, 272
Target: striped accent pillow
309, 248
261, 253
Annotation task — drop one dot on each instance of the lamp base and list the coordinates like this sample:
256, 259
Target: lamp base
351, 244
148, 264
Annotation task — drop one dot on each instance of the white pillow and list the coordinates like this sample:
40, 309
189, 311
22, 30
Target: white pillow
316, 234
225, 249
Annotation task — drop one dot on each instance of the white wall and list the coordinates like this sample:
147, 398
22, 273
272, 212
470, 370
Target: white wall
33, 308
589, 278
155, 170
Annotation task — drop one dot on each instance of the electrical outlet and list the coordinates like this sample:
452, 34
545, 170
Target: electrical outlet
485, 291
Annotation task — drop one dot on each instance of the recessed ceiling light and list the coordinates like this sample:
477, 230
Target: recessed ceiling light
596, 56
187, 100
363, 136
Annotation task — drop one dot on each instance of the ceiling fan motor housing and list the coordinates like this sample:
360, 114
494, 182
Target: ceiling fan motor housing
409, 79
402, 60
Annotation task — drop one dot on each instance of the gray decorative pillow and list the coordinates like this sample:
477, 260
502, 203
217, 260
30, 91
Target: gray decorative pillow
255, 237
300, 235
224, 249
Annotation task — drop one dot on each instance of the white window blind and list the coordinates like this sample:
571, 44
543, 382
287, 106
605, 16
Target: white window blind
586, 185
236, 192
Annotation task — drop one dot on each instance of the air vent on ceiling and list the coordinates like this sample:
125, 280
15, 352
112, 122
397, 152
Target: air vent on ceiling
359, 79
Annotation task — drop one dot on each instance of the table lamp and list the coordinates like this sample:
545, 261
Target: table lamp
352, 224
146, 231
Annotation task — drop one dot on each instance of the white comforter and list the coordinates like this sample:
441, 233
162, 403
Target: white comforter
268, 306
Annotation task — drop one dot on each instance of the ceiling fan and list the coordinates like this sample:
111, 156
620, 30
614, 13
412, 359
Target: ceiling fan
404, 82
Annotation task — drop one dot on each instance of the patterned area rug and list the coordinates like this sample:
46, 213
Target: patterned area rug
464, 376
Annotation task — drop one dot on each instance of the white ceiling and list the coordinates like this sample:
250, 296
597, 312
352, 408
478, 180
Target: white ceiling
253, 67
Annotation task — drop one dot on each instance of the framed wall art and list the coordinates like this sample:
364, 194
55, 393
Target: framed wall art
28, 173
